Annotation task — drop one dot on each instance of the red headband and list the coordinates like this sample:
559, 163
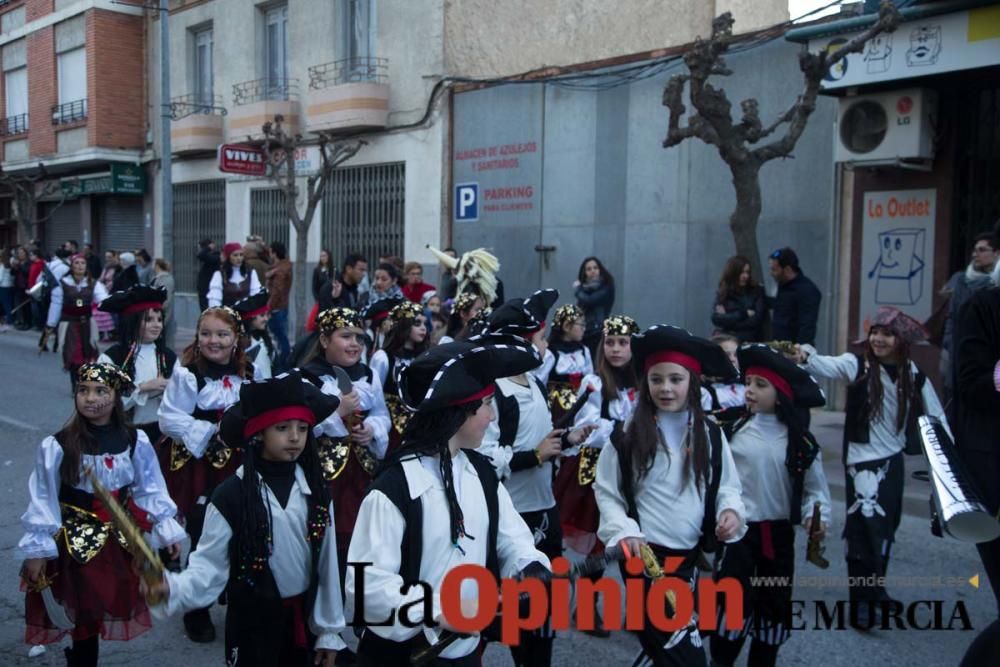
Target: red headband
780, 383
254, 313
537, 329
271, 417
673, 357
479, 395
141, 306
378, 317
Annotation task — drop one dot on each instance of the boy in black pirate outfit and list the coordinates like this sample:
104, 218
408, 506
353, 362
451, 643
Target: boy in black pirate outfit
436, 473
267, 538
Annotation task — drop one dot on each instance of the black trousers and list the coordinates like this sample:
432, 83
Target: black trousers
535, 649
874, 495
984, 469
374, 651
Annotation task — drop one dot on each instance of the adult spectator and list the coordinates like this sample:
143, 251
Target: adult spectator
795, 309
449, 282
254, 258
739, 303
279, 286
344, 291
38, 309
594, 289
21, 265
144, 266
112, 267
385, 285
977, 409
323, 273
960, 287
71, 247
128, 277
162, 278
6, 291
415, 287
234, 280
208, 263
94, 267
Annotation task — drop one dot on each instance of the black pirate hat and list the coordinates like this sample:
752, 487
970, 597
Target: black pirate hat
253, 305
265, 403
134, 300
462, 372
523, 317
784, 374
378, 311
662, 342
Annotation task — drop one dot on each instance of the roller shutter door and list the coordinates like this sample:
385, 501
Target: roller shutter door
120, 224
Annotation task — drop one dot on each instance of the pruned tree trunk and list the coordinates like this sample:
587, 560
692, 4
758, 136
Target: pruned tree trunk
743, 221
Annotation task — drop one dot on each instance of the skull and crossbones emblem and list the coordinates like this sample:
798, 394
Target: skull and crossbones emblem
866, 483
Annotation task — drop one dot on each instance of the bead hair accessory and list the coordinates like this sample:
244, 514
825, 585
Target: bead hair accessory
332, 319
464, 301
106, 374
406, 312
620, 325
566, 314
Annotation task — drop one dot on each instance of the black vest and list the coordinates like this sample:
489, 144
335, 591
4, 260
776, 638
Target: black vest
856, 418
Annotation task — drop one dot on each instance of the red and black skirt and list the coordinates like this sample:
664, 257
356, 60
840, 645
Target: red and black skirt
574, 492
348, 469
76, 346
93, 580
188, 478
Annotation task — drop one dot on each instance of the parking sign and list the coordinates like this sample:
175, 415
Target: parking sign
467, 202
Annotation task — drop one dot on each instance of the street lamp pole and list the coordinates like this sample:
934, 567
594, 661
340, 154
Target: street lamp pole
166, 152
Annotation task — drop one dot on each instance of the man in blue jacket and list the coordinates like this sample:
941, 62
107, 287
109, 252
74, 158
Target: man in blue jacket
795, 309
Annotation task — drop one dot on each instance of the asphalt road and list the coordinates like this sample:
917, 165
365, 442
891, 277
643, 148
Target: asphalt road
35, 401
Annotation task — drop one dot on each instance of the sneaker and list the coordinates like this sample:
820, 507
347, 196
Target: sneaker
199, 627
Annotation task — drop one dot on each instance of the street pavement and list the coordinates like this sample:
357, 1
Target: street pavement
35, 401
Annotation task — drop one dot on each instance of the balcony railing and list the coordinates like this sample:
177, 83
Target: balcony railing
69, 112
183, 106
261, 90
13, 125
349, 70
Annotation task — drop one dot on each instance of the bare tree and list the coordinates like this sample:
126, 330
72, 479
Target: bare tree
712, 122
25, 193
279, 151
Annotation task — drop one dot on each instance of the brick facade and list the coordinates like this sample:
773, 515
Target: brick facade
43, 91
115, 80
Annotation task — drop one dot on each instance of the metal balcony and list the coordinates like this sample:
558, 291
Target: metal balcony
183, 106
265, 90
13, 125
349, 94
69, 112
349, 70
259, 101
196, 124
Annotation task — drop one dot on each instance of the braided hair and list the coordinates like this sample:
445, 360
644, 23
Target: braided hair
254, 539
131, 327
427, 434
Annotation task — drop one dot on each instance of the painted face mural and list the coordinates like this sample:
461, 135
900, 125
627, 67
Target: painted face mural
899, 271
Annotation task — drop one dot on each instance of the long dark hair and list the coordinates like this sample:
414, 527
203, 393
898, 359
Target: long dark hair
610, 375
905, 383
191, 357
606, 276
642, 436
729, 283
399, 334
428, 434
253, 535
227, 268
131, 326
76, 439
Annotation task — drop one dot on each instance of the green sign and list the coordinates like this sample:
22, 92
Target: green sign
123, 179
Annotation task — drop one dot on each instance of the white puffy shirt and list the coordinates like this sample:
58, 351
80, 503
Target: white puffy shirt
371, 400
619, 409
182, 397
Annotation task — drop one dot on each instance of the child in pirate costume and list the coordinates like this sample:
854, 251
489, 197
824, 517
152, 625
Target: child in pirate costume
670, 482
567, 360
464, 310
267, 539
609, 396
257, 344
141, 352
69, 539
523, 446
435, 474
405, 340
354, 439
193, 458
376, 317
781, 472
71, 315
886, 395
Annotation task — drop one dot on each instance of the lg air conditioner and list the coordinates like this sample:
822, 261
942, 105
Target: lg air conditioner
891, 128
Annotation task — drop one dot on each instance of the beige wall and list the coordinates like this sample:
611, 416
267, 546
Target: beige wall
490, 38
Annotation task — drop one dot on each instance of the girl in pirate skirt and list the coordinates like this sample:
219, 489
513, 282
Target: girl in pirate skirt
435, 505
885, 396
71, 316
193, 458
670, 484
267, 539
567, 360
782, 477
79, 578
405, 340
142, 353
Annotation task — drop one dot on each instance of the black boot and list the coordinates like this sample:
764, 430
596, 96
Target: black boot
83, 653
598, 630
199, 627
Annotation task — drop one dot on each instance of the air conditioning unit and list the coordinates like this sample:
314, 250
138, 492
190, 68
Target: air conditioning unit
894, 128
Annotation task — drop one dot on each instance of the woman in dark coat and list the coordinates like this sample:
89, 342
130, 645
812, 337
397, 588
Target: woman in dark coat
595, 295
739, 303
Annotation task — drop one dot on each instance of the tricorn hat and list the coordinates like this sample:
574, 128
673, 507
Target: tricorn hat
265, 403
664, 343
786, 376
523, 317
134, 300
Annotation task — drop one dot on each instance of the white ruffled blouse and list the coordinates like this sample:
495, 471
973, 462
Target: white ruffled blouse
182, 397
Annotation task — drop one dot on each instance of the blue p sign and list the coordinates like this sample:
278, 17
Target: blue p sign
467, 202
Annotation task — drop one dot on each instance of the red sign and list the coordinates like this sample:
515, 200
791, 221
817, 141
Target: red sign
241, 159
